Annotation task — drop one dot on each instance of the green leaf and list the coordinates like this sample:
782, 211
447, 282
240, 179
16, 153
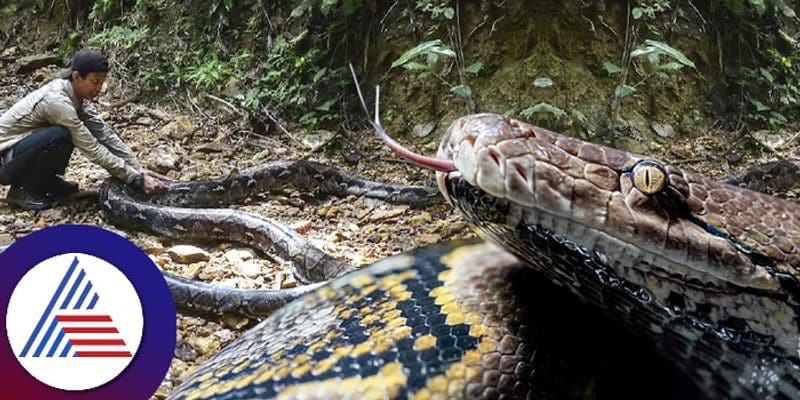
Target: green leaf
668, 50
474, 68
736, 6
449, 12
637, 13
326, 6
300, 10
784, 8
642, 51
759, 6
671, 66
414, 66
319, 75
542, 82
623, 91
785, 36
462, 91
777, 117
759, 105
326, 106
543, 108
766, 74
425, 48
612, 68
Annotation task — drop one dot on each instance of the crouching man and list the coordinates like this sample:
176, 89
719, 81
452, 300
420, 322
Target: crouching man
38, 133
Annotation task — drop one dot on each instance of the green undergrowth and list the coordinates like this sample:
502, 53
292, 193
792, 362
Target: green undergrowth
595, 69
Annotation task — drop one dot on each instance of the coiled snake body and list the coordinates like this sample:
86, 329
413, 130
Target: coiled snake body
706, 272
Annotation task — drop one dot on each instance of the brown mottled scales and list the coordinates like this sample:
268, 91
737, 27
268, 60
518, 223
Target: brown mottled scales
708, 271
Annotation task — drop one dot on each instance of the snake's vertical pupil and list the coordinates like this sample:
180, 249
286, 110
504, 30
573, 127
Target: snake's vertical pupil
649, 177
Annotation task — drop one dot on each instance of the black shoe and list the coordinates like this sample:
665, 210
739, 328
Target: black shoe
27, 200
60, 188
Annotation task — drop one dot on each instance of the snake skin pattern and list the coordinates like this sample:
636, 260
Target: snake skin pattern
707, 271
168, 214
454, 320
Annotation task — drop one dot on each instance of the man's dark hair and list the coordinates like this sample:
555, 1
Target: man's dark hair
86, 61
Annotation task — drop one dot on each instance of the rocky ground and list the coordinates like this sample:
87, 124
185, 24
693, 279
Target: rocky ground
188, 138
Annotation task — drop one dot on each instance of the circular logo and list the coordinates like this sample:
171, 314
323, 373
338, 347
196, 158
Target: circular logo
90, 325
87, 316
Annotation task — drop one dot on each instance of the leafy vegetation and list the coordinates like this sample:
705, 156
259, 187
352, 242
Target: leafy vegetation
286, 59
766, 67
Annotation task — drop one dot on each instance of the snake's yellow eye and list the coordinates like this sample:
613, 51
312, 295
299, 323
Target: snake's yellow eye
649, 177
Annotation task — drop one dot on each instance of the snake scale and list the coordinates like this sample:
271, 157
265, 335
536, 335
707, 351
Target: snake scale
707, 273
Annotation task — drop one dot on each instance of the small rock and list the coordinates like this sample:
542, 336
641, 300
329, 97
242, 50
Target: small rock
153, 247
352, 158
769, 140
249, 269
146, 121
239, 254
388, 214
41, 75
428, 238
315, 141
193, 270
6, 239
185, 352
289, 282
302, 227
423, 130
159, 114
164, 389
212, 147
53, 214
422, 217
664, 131
187, 254
34, 62
235, 321
9, 52
733, 158
205, 345
178, 368
162, 160
180, 128
225, 335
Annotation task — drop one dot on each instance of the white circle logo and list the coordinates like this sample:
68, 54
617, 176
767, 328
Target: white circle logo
74, 321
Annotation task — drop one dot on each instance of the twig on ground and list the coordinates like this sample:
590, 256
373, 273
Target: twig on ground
281, 128
228, 104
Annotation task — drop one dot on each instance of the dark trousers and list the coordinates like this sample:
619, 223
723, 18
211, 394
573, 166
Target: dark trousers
37, 159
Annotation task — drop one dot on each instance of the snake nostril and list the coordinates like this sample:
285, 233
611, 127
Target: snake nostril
521, 173
495, 157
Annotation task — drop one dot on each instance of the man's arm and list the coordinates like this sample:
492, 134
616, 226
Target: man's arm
62, 113
105, 134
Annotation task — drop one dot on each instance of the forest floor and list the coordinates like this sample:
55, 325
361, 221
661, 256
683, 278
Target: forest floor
213, 141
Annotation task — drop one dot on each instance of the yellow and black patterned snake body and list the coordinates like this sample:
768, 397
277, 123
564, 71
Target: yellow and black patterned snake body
460, 319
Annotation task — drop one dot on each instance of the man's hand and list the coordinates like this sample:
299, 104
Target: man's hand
151, 185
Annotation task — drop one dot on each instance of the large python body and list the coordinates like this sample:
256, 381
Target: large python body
455, 320
705, 271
